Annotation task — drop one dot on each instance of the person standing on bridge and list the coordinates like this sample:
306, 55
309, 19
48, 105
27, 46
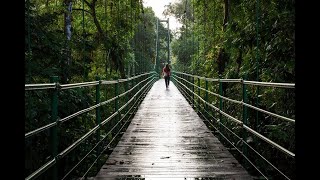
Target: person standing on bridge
166, 72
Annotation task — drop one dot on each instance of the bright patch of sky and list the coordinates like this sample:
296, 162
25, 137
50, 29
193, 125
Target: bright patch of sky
158, 7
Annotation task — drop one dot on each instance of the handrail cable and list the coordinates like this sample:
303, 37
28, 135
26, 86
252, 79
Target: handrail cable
109, 132
117, 133
47, 165
244, 126
36, 131
252, 131
241, 102
270, 84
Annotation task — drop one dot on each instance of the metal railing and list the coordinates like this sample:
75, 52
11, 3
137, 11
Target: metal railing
140, 85
187, 86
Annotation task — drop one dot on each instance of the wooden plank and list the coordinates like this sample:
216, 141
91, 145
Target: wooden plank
167, 139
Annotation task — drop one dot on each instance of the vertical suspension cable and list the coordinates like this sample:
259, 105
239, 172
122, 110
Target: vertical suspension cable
169, 61
83, 41
214, 25
144, 48
143, 58
204, 29
193, 17
139, 45
138, 40
29, 42
139, 37
132, 41
142, 40
28, 77
229, 22
186, 18
28, 39
106, 27
106, 13
198, 44
106, 50
118, 37
185, 33
157, 48
257, 60
126, 49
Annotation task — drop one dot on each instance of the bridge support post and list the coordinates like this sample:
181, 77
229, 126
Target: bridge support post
54, 130
244, 118
220, 106
116, 102
188, 86
98, 117
193, 91
185, 83
126, 88
199, 94
206, 96
182, 82
134, 90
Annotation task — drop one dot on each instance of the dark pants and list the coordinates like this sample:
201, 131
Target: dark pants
167, 80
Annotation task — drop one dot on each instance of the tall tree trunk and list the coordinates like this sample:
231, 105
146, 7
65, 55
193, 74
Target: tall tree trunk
226, 13
223, 56
103, 37
239, 60
67, 30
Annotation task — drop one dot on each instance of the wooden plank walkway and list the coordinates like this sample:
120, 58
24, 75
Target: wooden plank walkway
167, 140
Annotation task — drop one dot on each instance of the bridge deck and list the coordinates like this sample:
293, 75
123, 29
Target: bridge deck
167, 139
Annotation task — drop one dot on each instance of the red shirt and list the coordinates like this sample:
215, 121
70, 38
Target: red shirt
166, 71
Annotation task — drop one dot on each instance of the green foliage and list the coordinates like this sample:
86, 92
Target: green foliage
111, 38
183, 49
115, 38
250, 40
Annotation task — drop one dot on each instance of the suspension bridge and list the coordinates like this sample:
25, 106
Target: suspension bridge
134, 128
164, 133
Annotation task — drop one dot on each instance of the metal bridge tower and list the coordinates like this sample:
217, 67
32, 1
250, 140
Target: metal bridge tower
157, 63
